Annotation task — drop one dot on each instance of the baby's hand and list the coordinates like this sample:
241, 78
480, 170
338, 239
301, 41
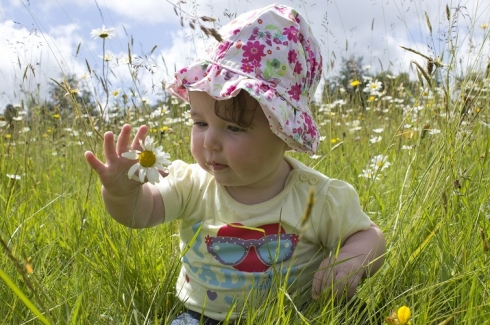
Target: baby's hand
340, 276
114, 173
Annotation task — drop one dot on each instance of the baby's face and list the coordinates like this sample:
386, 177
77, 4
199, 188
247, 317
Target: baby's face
235, 155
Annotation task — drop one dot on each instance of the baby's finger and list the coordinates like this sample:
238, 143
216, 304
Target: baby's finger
140, 135
109, 149
123, 139
316, 287
94, 162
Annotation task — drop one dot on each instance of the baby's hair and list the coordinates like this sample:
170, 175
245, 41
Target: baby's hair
239, 109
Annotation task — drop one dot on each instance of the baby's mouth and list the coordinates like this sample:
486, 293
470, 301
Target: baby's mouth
216, 166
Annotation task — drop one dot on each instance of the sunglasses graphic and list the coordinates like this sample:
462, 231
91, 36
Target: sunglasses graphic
270, 249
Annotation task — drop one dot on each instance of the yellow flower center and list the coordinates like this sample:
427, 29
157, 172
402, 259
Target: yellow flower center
147, 158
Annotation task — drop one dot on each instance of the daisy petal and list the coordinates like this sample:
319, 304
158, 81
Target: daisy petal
130, 155
133, 169
152, 175
142, 173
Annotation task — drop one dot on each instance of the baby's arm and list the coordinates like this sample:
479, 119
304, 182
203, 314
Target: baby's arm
361, 255
129, 202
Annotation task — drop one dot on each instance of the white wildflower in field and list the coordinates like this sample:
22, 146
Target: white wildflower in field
150, 160
375, 139
373, 87
378, 130
369, 174
379, 162
102, 32
3, 123
107, 57
487, 125
434, 131
13, 176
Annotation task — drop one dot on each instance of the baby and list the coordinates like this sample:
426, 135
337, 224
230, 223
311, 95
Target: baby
251, 217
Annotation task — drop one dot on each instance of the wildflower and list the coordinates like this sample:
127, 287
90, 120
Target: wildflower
434, 131
29, 268
369, 174
102, 32
17, 118
115, 93
380, 162
56, 115
3, 123
484, 26
107, 57
379, 130
71, 92
355, 83
150, 160
373, 87
13, 176
375, 139
403, 314
399, 318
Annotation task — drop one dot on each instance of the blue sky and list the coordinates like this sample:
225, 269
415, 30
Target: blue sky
39, 38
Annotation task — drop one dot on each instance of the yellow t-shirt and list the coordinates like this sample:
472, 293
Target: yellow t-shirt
237, 252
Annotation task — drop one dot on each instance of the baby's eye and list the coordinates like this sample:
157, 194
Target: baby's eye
233, 128
200, 124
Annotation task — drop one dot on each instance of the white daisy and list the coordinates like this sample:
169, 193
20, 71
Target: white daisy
379, 162
150, 160
13, 176
102, 32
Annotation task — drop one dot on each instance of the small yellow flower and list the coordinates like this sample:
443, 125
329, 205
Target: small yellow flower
29, 268
164, 128
8, 136
484, 26
56, 116
403, 314
355, 83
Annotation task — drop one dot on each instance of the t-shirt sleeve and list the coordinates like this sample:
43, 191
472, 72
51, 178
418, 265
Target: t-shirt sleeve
342, 214
177, 188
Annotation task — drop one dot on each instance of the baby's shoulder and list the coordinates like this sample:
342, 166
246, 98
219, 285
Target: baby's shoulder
306, 178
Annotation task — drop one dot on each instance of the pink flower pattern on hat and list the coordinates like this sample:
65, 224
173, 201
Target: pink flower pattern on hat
272, 54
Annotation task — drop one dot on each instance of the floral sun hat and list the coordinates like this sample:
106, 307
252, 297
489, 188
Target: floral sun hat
272, 54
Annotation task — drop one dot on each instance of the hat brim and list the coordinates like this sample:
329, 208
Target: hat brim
293, 125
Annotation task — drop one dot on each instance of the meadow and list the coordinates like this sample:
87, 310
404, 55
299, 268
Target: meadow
416, 149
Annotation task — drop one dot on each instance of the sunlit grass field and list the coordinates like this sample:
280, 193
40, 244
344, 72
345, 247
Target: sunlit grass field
417, 151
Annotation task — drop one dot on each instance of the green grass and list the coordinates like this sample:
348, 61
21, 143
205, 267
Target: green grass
432, 202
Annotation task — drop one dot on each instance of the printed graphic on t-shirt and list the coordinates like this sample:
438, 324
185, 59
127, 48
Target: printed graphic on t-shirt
251, 249
245, 254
